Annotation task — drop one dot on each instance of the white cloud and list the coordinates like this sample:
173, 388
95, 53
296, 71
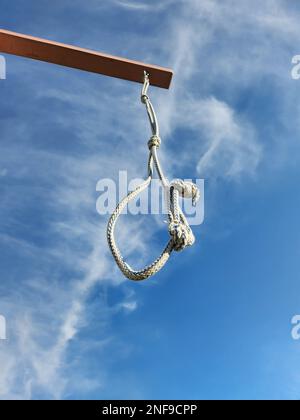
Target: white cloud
231, 148
46, 309
40, 334
129, 306
237, 47
153, 7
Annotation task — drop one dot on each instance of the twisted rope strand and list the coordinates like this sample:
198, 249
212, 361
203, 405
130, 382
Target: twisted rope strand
180, 232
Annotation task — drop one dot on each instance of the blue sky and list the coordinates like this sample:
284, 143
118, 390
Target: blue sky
216, 322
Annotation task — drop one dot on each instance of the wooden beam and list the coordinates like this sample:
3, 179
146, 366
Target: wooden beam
83, 59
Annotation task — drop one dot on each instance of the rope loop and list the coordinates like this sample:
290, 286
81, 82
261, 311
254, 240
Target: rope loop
181, 235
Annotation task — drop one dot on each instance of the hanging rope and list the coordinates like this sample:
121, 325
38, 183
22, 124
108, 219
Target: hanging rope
179, 229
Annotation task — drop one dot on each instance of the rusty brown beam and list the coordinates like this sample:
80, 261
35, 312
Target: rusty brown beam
83, 59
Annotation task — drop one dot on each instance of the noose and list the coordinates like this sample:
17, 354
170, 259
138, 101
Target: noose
181, 235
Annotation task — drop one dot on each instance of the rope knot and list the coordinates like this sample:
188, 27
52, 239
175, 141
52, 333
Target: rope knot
154, 141
186, 189
181, 234
144, 98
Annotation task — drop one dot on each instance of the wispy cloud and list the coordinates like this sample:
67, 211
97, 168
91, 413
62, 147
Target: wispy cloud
54, 242
153, 7
232, 148
219, 52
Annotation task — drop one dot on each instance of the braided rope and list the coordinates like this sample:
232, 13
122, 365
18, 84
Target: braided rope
180, 232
